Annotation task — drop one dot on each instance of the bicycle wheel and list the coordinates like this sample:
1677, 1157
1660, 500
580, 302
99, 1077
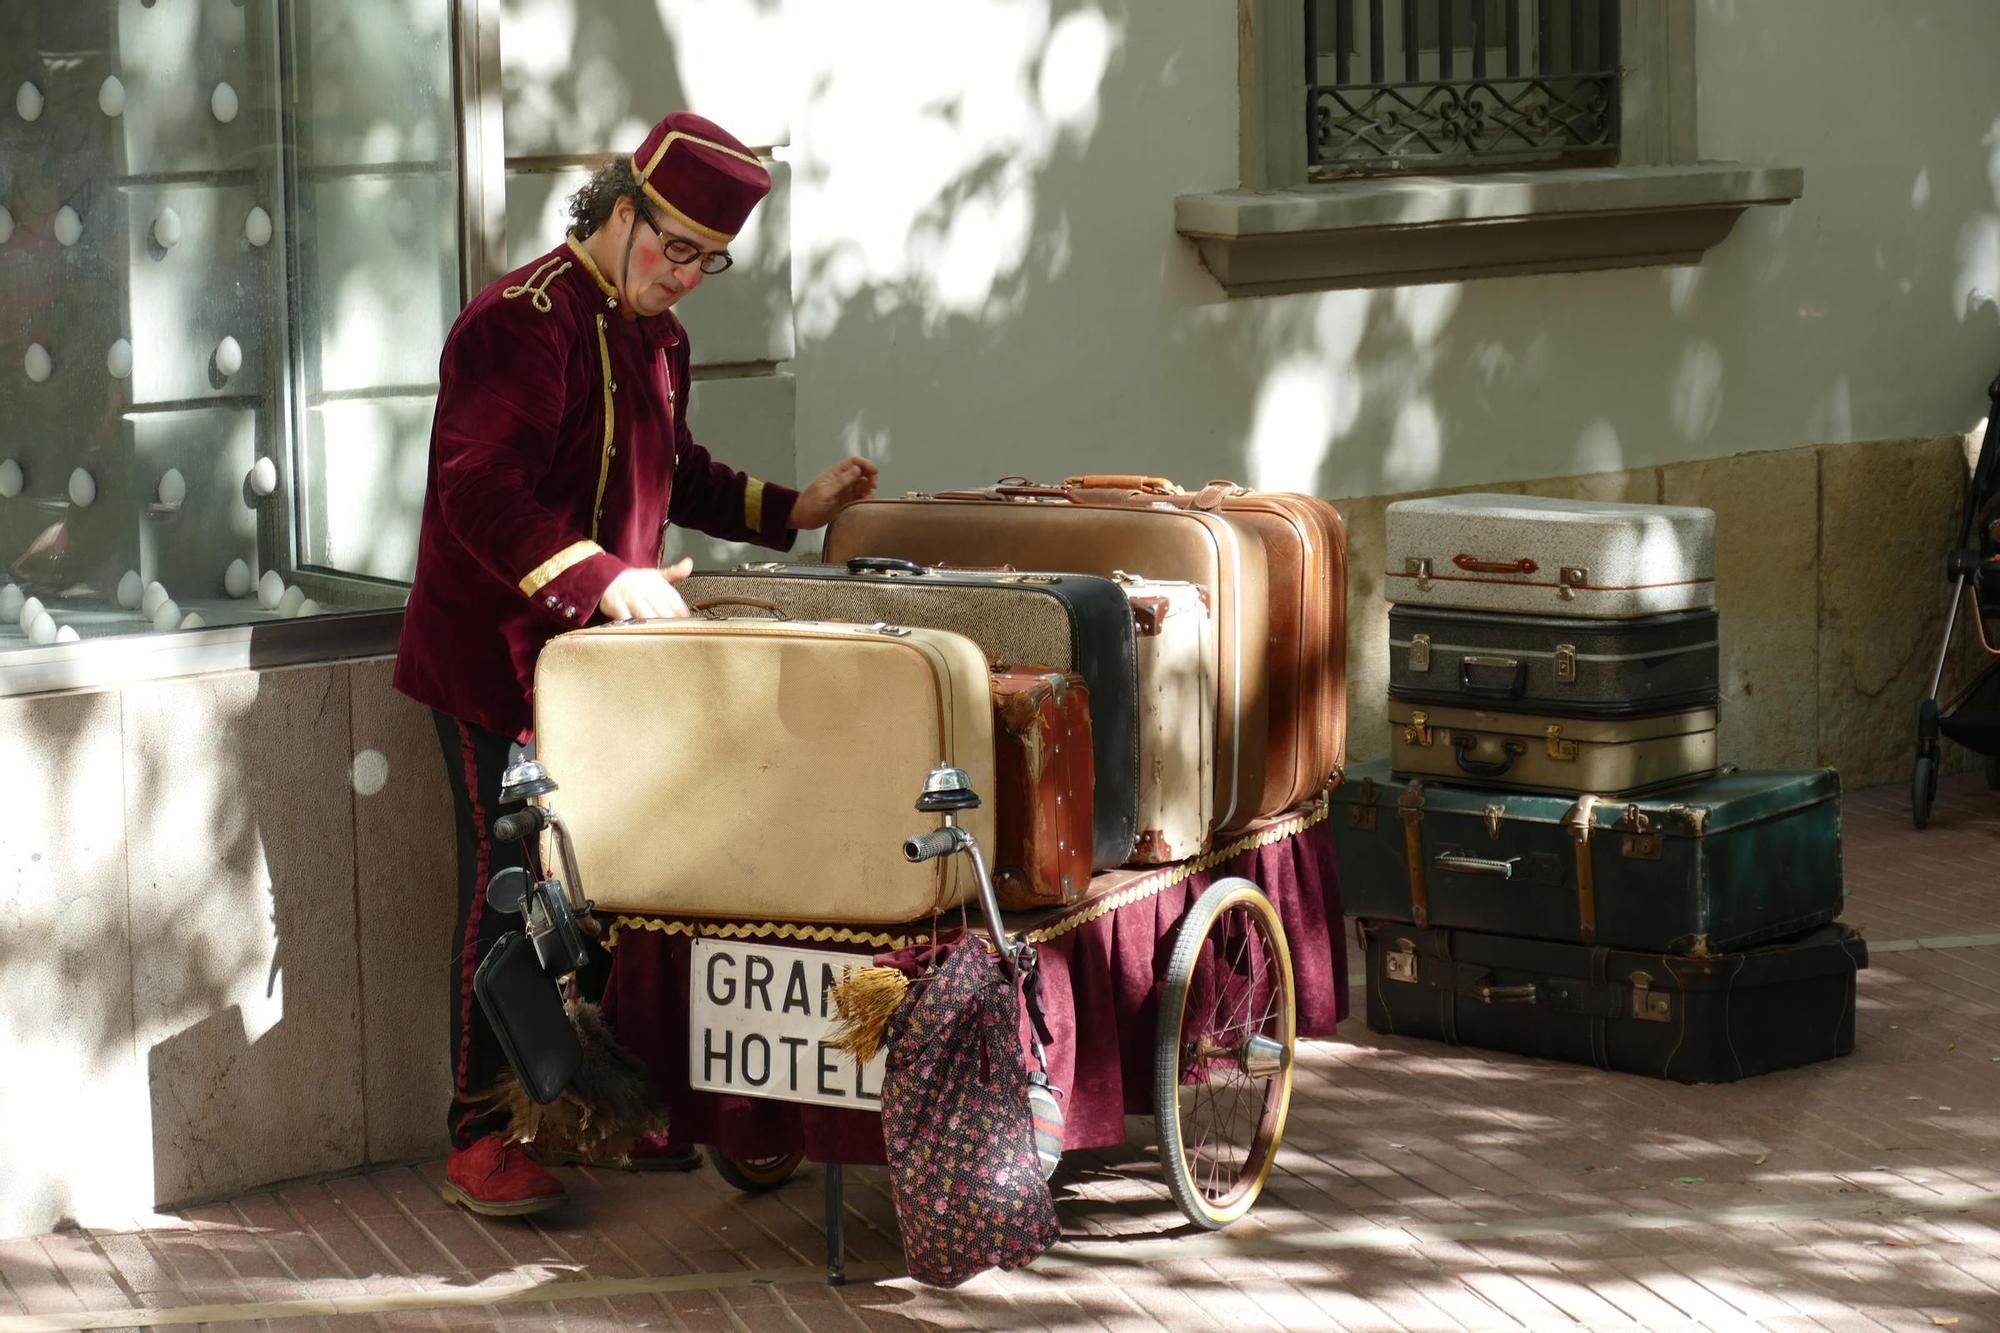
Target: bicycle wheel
755, 1175
1222, 1072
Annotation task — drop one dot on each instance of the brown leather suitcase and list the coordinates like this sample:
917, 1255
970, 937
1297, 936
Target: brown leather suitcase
1305, 555
1094, 532
1043, 785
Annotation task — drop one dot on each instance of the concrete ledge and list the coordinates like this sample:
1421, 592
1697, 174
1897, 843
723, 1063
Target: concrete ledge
1383, 232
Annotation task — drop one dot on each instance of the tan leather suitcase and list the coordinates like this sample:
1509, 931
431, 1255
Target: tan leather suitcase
1176, 633
1549, 752
1305, 555
1086, 532
1044, 787
766, 770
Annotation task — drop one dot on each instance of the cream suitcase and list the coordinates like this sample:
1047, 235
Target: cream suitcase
762, 770
1549, 752
1176, 644
1524, 553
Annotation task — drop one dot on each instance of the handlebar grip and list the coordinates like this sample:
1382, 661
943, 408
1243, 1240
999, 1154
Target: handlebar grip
929, 846
525, 823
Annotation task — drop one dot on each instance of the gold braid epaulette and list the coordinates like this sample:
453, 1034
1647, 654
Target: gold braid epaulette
536, 288
1145, 887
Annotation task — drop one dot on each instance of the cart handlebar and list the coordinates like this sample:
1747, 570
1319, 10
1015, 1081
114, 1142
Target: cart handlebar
929, 846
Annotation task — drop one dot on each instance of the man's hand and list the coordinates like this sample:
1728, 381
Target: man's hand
833, 490
646, 594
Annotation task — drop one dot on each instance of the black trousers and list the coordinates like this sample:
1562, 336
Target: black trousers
475, 759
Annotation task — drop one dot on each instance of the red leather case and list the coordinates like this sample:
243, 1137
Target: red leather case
1044, 779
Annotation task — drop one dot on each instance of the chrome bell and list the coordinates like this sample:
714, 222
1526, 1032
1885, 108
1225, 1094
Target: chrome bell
524, 778
947, 789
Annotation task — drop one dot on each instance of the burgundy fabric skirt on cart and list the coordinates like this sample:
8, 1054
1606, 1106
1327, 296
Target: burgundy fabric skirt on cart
1102, 961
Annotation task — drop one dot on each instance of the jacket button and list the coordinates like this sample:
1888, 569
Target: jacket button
569, 613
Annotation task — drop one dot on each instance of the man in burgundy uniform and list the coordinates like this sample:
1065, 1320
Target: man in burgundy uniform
559, 453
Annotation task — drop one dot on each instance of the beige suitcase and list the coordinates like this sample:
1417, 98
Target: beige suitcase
763, 770
1550, 753
1176, 634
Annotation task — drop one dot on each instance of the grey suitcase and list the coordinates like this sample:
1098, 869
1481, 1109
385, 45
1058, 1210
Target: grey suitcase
1553, 664
1551, 753
1071, 622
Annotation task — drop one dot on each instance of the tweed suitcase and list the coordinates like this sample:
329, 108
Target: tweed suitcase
1045, 528
1042, 787
1586, 558
1176, 638
1712, 866
1071, 622
1305, 558
1692, 1020
762, 770
1553, 664
1549, 751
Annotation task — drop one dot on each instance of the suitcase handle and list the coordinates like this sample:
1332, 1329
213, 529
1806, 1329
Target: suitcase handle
1121, 481
1475, 566
1512, 690
1525, 993
1461, 747
1473, 865
711, 603
882, 564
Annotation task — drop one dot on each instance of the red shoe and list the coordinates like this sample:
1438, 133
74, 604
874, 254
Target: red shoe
500, 1178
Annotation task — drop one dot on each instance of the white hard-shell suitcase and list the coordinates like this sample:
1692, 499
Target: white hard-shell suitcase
1524, 553
1176, 646
763, 770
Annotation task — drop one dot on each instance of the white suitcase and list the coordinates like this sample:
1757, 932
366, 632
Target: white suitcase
1176, 647
1523, 553
763, 770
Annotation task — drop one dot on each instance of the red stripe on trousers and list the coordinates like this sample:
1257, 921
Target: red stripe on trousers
468, 961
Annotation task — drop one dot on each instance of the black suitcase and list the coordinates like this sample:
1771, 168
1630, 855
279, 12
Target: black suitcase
1071, 622
1713, 865
1553, 664
1692, 1020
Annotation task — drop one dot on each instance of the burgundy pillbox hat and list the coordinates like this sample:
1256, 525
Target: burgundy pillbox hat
698, 174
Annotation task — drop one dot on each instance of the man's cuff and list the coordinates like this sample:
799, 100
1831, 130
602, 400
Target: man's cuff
568, 586
767, 514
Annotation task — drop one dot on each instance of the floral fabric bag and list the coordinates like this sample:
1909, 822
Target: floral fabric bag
968, 1184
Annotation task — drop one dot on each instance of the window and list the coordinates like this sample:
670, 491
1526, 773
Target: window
1452, 84
229, 253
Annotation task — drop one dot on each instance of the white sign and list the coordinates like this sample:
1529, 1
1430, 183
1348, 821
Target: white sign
758, 1021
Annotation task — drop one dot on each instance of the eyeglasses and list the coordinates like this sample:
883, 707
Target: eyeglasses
678, 251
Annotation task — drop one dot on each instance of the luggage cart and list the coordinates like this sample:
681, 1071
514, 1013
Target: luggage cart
1972, 716
1223, 1041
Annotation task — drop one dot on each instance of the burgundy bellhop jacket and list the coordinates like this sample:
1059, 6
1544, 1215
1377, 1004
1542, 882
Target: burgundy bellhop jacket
559, 453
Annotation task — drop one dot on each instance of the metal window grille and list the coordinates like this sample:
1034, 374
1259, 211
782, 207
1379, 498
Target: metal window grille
1423, 85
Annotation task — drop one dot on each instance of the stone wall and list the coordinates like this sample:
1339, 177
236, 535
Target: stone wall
1829, 574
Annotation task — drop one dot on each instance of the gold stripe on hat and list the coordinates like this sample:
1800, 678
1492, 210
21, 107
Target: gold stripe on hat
700, 229
556, 565
668, 142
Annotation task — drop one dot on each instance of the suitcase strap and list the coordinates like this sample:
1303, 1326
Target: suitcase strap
1579, 821
1411, 804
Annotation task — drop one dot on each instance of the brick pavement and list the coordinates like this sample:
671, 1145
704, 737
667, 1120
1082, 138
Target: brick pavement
1420, 1188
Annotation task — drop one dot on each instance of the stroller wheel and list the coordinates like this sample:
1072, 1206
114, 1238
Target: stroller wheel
1923, 790
1993, 771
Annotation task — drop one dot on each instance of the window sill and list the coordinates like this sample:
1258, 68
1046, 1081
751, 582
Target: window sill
1386, 232
126, 659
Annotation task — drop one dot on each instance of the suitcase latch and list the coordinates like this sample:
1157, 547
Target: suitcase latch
1649, 1006
1560, 749
1572, 578
1400, 963
893, 631
1641, 841
1420, 652
1565, 664
1418, 568
1418, 732
1495, 816
1361, 812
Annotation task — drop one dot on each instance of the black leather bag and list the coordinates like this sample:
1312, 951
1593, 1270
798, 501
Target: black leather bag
526, 1010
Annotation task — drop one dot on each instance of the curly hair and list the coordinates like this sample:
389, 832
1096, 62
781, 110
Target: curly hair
590, 207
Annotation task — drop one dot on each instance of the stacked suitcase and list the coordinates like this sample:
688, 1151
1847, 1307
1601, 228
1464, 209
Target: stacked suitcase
1128, 671
1552, 862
